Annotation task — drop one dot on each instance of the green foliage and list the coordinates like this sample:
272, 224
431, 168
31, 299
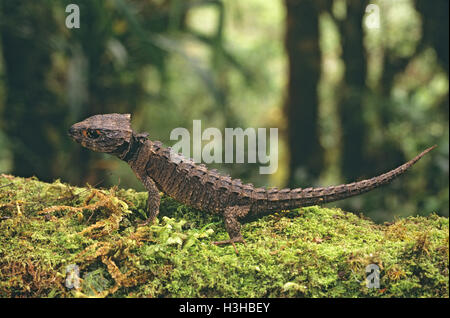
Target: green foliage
311, 252
224, 62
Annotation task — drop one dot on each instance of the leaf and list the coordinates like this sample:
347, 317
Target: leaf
189, 242
174, 240
293, 286
169, 45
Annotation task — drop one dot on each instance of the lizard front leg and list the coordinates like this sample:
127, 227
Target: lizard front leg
233, 226
153, 199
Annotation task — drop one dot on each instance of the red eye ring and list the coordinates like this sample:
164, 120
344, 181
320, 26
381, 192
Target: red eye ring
91, 133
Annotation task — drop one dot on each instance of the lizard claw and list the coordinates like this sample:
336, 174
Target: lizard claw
146, 222
231, 241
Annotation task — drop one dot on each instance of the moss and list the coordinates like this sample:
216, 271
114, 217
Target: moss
311, 252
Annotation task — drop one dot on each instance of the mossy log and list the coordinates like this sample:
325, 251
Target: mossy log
57, 240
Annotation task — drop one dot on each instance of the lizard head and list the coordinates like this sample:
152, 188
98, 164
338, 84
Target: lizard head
109, 133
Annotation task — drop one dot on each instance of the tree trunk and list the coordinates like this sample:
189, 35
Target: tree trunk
31, 116
435, 26
301, 107
351, 105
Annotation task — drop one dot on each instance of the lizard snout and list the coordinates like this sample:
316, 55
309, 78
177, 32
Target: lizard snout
71, 132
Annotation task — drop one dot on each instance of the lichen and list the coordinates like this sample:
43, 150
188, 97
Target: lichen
47, 228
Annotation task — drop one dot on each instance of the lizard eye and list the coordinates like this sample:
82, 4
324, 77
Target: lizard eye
93, 134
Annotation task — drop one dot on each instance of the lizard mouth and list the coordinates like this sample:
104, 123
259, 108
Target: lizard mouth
75, 135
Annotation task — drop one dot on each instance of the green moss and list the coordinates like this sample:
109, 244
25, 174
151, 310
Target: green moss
310, 252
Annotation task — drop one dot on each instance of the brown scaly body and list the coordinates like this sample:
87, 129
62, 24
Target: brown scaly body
161, 170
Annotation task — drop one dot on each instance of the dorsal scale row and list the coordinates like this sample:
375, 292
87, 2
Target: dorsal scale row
195, 185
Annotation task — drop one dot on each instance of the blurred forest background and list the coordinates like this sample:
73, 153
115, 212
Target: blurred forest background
350, 100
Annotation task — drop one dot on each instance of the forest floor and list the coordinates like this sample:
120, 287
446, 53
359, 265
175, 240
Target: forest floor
57, 240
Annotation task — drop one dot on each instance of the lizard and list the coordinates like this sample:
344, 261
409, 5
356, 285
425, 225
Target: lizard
160, 169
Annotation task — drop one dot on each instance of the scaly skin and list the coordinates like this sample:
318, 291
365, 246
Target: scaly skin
161, 170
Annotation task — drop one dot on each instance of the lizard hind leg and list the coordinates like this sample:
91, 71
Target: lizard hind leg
233, 226
153, 200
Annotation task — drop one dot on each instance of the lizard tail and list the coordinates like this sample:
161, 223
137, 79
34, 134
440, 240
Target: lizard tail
287, 199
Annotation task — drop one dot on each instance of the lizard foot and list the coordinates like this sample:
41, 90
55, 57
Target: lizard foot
231, 241
146, 222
